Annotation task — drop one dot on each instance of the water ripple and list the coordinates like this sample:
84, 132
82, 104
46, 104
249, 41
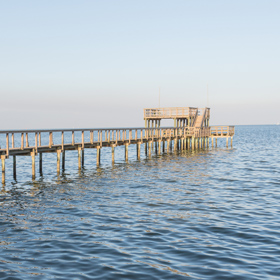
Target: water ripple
191, 215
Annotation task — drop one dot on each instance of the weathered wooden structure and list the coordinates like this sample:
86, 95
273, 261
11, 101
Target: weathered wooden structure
182, 116
191, 131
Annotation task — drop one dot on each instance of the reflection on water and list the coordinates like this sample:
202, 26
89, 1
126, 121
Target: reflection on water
197, 215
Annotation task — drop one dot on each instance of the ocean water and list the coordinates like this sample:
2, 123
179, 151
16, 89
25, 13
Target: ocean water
206, 214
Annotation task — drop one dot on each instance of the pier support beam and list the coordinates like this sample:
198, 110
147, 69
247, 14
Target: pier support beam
41, 164
79, 157
216, 140
63, 160
159, 147
126, 152
58, 162
83, 157
227, 142
33, 164
175, 144
15, 168
138, 150
98, 155
231, 142
163, 146
168, 146
3, 169
150, 148
113, 154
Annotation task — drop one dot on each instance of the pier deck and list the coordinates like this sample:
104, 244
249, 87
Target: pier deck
165, 139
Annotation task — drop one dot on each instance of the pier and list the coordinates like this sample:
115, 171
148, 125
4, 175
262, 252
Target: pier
191, 131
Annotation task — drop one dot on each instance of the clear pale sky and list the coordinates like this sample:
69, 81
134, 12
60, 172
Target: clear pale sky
81, 63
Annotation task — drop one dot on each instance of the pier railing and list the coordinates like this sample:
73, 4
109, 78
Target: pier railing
36, 142
169, 113
24, 142
222, 131
17, 142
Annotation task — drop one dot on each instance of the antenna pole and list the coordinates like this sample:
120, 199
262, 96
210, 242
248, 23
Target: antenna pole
159, 98
207, 97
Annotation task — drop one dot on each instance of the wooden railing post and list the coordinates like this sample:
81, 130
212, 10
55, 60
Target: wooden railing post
7, 145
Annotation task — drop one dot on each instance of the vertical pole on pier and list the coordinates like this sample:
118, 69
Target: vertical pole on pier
126, 152
150, 148
216, 142
3, 169
98, 155
15, 167
208, 142
182, 144
193, 144
113, 154
79, 157
212, 141
168, 146
41, 164
83, 157
63, 160
156, 147
138, 150
58, 162
231, 142
175, 144
33, 164
163, 146
227, 142
159, 147
171, 145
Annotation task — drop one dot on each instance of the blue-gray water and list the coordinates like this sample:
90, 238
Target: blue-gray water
210, 214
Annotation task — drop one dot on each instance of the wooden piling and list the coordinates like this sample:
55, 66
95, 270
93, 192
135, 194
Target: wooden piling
33, 164
3, 169
138, 150
58, 162
41, 164
113, 154
227, 142
98, 155
79, 157
150, 148
15, 168
126, 152
231, 142
83, 157
63, 160
159, 147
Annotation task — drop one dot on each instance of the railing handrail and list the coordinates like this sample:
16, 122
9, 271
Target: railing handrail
169, 112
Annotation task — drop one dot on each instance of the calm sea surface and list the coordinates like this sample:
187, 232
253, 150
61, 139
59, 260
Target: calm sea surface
208, 214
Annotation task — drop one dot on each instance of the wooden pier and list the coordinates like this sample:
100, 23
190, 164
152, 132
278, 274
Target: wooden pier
190, 132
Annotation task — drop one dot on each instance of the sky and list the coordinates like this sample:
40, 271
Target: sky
87, 63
